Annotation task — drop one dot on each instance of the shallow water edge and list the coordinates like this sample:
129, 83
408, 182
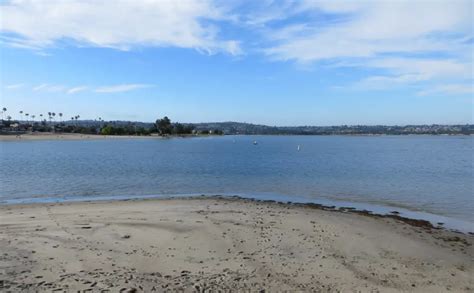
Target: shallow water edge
414, 218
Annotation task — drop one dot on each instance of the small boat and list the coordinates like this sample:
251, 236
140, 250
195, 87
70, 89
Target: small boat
299, 148
255, 142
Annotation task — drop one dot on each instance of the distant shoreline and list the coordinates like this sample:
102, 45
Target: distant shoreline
65, 136
78, 136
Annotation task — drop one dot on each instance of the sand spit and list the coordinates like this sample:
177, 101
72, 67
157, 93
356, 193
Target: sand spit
203, 244
68, 136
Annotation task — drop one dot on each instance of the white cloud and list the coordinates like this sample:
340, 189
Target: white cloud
45, 87
121, 88
448, 89
40, 87
399, 41
404, 41
77, 89
427, 68
123, 25
49, 88
369, 28
401, 71
14, 86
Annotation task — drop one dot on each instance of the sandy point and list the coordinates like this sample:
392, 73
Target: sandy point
230, 244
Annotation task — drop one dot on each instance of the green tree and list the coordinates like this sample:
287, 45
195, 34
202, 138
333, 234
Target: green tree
164, 125
178, 128
107, 130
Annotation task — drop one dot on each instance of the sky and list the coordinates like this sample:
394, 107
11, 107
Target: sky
267, 62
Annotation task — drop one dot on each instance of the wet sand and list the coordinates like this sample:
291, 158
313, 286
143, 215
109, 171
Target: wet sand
210, 243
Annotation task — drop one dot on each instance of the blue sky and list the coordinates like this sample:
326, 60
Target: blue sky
270, 62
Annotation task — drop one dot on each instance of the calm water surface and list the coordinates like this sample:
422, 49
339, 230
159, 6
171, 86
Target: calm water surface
423, 173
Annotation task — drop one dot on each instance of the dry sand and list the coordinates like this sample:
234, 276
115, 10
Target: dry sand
210, 243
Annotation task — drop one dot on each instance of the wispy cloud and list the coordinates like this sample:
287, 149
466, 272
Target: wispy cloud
448, 89
122, 25
406, 42
14, 86
367, 29
394, 43
403, 71
40, 87
57, 88
121, 88
49, 88
77, 89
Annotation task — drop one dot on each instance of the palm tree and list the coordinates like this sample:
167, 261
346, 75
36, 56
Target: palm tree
9, 118
26, 114
3, 111
60, 117
54, 126
33, 117
21, 113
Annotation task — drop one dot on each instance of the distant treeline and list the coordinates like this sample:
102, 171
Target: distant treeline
246, 128
165, 127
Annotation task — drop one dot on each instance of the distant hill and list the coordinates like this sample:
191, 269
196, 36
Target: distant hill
247, 128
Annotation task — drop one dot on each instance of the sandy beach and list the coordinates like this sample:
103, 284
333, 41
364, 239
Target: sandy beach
213, 243
66, 136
